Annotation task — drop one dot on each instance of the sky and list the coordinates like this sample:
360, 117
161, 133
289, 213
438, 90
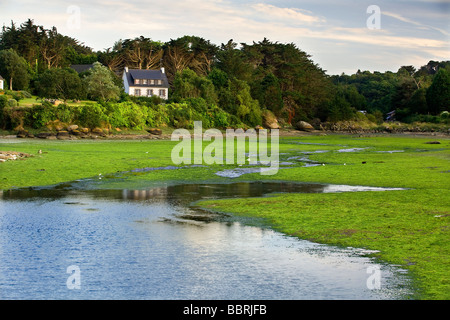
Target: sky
340, 36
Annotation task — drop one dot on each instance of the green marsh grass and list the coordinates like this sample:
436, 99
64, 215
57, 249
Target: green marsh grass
409, 227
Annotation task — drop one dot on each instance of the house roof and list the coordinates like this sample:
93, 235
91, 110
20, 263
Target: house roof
81, 67
1, 78
133, 74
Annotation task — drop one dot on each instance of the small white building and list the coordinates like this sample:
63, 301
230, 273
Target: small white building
1, 82
146, 83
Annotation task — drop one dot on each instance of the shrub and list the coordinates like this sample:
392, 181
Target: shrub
92, 115
39, 115
3, 104
12, 103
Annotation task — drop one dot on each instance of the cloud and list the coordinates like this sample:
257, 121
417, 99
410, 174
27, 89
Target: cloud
288, 15
414, 22
314, 30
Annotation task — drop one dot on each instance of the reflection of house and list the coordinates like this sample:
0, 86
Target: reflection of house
1, 82
146, 83
154, 194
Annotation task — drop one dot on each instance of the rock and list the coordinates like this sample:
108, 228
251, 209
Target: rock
72, 127
22, 134
44, 135
270, 121
257, 128
84, 130
56, 125
63, 135
156, 132
12, 155
97, 131
304, 126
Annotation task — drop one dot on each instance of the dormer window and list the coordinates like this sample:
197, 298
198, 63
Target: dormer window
137, 81
144, 81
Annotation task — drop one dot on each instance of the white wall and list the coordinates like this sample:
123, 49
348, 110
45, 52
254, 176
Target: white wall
131, 91
1, 84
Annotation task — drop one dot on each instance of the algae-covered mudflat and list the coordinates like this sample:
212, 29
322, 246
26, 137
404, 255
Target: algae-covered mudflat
408, 226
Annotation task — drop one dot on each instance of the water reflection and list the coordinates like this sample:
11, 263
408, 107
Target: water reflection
150, 244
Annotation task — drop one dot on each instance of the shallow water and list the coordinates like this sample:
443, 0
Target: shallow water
150, 244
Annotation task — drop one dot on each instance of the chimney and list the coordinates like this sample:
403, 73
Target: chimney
163, 70
126, 69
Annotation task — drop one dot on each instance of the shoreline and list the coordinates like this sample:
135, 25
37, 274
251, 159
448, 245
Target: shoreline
65, 135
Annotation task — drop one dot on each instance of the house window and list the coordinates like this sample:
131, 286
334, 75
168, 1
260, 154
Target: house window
158, 82
137, 92
137, 81
144, 81
149, 92
162, 93
151, 82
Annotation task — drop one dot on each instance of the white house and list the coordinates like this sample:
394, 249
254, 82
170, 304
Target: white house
1, 82
146, 83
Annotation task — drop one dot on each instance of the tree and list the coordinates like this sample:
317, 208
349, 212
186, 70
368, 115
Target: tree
201, 52
188, 84
14, 68
438, 94
100, 84
232, 61
142, 53
61, 84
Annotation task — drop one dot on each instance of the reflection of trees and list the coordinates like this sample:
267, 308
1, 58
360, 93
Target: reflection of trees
177, 194
186, 193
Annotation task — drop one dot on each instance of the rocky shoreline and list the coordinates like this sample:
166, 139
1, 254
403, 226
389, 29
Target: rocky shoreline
12, 155
59, 131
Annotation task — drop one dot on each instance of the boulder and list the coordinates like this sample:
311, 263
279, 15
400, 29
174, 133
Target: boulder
270, 121
56, 125
97, 131
156, 132
22, 134
72, 127
63, 135
44, 135
304, 126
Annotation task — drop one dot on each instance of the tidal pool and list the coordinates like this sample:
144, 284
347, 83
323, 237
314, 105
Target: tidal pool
151, 244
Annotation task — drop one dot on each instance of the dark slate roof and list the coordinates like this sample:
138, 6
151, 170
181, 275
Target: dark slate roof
1, 78
81, 67
146, 74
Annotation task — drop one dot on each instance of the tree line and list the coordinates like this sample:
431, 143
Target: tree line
244, 80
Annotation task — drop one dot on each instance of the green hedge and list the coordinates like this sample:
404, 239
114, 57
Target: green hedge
128, 114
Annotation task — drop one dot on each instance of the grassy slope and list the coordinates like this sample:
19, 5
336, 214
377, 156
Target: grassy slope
408, 227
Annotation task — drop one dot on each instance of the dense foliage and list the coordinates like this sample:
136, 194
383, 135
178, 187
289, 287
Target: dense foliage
236, 83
